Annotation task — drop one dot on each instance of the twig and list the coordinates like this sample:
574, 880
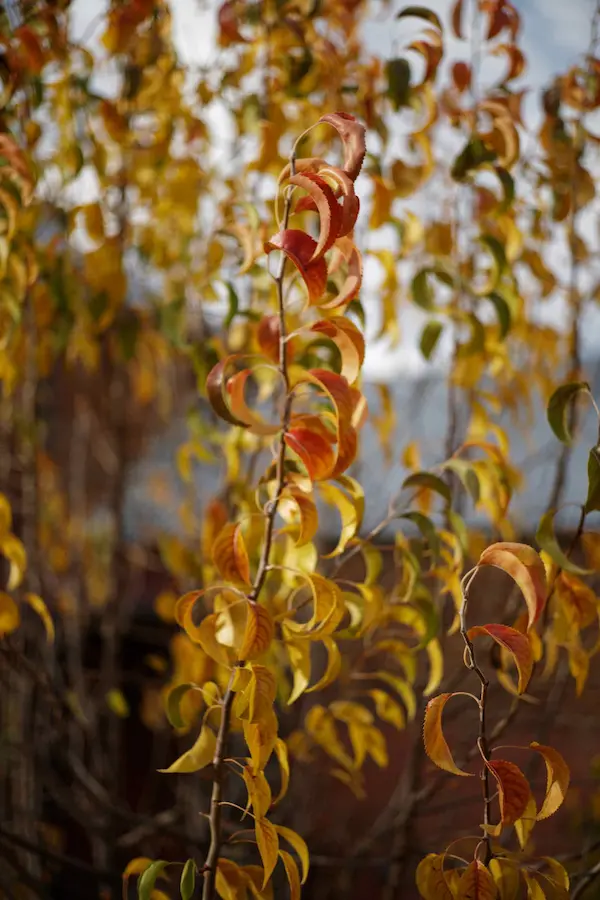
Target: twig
216, 835
482, 739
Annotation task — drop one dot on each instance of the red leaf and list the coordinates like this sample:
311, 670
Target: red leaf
517, 645
330, 212
352, 134
436, 747
513, 789
350, 202
315, 452
525, 567
457, 19
300, 248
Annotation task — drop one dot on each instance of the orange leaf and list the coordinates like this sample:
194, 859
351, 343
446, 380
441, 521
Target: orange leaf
259, 632
351, 286
435, 743
476, 883
230, 555
525, 567
300, 248
235, 388
352, 134
330, 212
315, 452
349, 341
557, 783
345, 189
515, 642
513, 789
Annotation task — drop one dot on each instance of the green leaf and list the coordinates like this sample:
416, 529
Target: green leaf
593, 498
398, 79
558, 406
420, 12
508, 185
233, 304
547, 540
421, 291
430, 337
503, 312
430, 481
467, 475
473, 155
147, 879
188, 880
427, 529
174, 699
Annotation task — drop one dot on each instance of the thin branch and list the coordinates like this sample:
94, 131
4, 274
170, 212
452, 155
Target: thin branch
482, 739
219, 759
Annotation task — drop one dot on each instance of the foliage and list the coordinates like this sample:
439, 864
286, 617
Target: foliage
147, 276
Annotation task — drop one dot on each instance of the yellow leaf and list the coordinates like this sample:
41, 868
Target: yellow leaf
431, 881
291, 870
117, 703
506, 876
268, 846
38, 605
436, 667
334, 665
260, 738
524, 825
259, 792
10, 617
387, 709
299, 845
5, 516
299, 657
281, 751
557, 783
198, 756
13, 549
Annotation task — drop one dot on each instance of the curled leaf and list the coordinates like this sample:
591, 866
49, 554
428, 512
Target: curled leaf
516, 643
559, 405
558, 777
525, 567
259, 632
435, 743
352, 134
198, 756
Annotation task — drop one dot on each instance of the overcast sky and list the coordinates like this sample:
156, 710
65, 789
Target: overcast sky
554, 34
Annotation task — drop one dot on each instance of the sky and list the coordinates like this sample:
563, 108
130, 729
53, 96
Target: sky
554, 34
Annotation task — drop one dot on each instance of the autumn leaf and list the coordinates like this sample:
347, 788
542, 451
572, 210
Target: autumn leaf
526, 568
558, 777
230, 555
352, 134
431, 883
513, 789
259, 633
476, 883
198, 756
435, 743
268, 845
516, 643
